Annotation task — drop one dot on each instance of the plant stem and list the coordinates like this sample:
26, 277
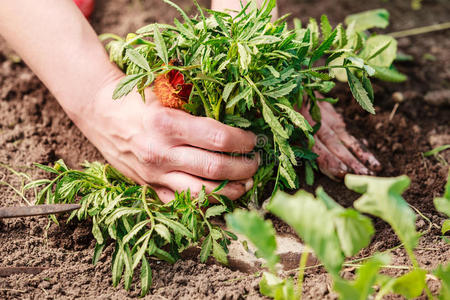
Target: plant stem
420, 30
301, 271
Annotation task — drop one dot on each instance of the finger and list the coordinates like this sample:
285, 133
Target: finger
329, 138
211, 165
203, 132
179, 181
335, 121
328, 163
165, 195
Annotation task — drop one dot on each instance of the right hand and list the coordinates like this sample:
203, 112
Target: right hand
166, 148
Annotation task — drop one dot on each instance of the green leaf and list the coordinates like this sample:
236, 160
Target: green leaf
445, 226
183, 14
274, 287
96, 232
137, 58
227, 90
220, 186
369, 19
382, 198
126, 85
359, 92
315, 229
361, 288
258, 231
163, 232
411, 284
206, 248
140, 253
146, 277
368, 87
98, 250
442, 205
131, 234
219, 253
237, 121
175, 226
117, 266
435, 151
296, 118
319, 52
443, 273
214, 211
280, 92
160, 45
325, 26
354, 229
263, 39
389, 74
379, 50
273, 122
244, 56
242, 95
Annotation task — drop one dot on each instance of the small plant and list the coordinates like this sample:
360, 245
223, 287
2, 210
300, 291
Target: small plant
251, 73
132, 216
334, 233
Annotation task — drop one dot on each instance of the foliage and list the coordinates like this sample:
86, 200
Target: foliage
442, 205
334, 233
251, 73
132, 215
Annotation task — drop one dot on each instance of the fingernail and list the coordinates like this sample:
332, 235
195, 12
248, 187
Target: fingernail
248, 184
364, 171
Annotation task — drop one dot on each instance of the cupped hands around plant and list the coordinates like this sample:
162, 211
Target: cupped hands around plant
169, 149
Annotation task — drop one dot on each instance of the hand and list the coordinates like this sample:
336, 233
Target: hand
167, 148
339, 152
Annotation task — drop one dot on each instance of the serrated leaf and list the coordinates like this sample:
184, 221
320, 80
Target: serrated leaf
117, 266
379, 50
96, 232
263, 39
325, 26
146, 277
98, 250
280, 92
316, 230
244, 56
319, 52
218, 253
160, 45
126, 85
176, 227
237, 121
227, 90
258, 231
359, 92
242, 95
206, 248
215, 210
382, 198
220, 186
137, 58
163, 232
140, 253
273, 122
131, 234
296, 118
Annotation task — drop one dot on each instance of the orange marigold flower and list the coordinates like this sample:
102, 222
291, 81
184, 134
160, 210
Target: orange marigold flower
171, 90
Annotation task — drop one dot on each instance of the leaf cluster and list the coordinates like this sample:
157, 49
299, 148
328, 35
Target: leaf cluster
251, 73
334, 233
141, 226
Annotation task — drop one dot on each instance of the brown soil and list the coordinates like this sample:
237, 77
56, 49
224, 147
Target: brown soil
35, 129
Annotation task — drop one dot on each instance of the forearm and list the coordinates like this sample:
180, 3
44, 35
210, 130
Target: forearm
222, 5
60, 46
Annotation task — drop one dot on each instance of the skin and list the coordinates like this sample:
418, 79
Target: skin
168, 149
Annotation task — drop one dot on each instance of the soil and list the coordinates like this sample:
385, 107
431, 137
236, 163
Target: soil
33, 128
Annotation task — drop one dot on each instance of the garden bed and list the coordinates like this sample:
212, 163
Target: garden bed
34, 129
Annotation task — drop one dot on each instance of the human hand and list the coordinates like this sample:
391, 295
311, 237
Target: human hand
339, 152
167, 148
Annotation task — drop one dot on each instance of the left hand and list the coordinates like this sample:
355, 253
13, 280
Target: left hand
339, 152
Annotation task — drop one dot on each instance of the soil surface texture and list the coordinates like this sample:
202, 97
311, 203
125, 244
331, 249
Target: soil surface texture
34, 128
